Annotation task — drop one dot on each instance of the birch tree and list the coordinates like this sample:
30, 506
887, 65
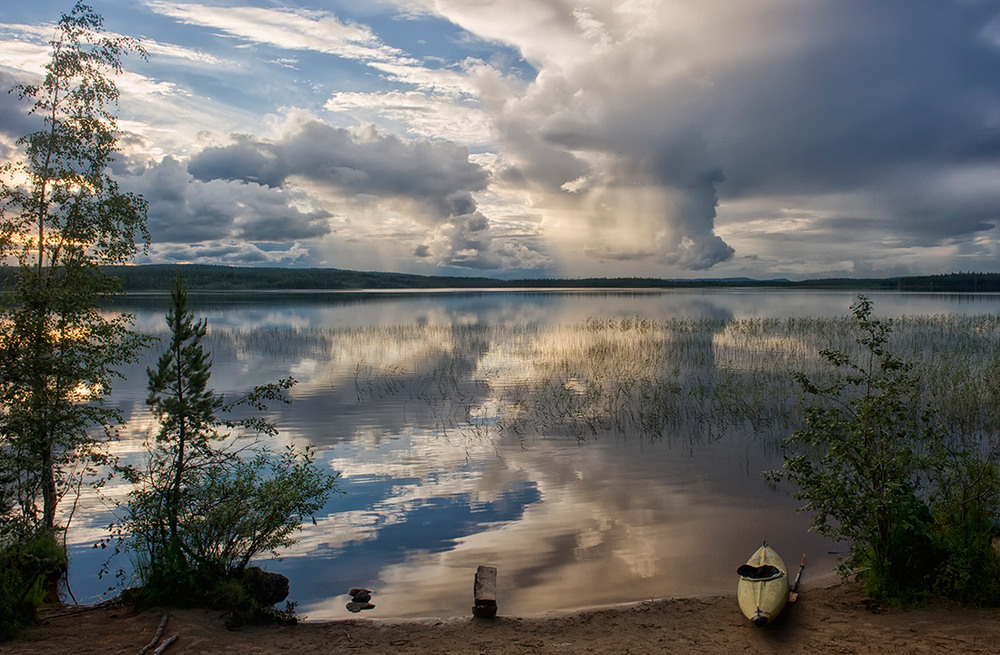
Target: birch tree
62, 217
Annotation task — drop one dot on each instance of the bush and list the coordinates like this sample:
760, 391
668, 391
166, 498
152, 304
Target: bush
235, 509
29, 573
876, 466
966, 485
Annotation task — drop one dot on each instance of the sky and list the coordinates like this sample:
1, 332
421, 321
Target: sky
554, 138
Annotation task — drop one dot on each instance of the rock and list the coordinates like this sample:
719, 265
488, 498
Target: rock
363, 596
266, 588
358, 590
357, 607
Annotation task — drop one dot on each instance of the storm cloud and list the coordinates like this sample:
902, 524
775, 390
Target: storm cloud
646, 117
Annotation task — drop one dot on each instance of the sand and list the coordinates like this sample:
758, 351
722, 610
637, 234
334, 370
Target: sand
832, 617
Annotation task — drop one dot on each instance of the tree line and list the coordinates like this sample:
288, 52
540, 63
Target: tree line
205, 277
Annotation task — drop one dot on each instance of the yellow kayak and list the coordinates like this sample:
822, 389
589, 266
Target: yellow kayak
763, 587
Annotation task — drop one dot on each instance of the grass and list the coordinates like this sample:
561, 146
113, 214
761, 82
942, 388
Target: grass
673, 379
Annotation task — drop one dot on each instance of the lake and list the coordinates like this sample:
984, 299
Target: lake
597, 447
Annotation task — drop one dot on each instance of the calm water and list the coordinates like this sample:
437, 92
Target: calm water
596, 447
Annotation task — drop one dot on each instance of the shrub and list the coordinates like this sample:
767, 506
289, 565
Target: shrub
29, 572
877, 466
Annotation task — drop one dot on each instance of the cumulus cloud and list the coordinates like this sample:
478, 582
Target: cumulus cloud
231, 252
646, 115
623, 181
187, 211
430, 182
437, 173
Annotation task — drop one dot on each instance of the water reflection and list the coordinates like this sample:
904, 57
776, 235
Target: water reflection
595, 447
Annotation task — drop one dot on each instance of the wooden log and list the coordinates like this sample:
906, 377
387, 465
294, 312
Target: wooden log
165, 645
485, 592
159, 632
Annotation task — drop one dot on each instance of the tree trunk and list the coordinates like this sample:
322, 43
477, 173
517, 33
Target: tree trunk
49, 496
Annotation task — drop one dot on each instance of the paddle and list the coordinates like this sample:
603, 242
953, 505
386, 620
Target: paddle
792, 594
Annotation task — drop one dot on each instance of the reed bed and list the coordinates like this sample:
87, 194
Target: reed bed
672, 379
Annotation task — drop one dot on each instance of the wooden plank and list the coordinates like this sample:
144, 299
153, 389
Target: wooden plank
485, 592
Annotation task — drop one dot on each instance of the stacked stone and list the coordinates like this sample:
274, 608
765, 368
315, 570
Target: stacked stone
360, 600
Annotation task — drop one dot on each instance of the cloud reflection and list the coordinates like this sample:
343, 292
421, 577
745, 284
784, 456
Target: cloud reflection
596, 448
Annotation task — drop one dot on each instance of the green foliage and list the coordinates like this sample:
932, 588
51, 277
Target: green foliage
876, 466
60, 207
61, 218
245, 596
29, 570
252, 505
182, 403
204, 506
963, 499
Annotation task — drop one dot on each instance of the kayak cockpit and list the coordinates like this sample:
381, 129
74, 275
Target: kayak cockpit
759, 573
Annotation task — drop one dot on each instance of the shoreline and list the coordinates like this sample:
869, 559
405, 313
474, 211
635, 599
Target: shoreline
828, 618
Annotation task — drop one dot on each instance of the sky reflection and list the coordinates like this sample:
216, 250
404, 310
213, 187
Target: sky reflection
578, 442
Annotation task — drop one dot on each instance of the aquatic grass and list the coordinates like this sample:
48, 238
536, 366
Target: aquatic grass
633, 377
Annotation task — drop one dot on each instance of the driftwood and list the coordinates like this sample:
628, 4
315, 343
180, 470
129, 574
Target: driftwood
162, 647
159, 633
55, 611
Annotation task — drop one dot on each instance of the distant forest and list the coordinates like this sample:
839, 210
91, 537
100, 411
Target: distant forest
198, 277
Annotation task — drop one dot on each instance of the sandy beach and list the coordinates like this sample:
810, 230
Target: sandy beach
829, 617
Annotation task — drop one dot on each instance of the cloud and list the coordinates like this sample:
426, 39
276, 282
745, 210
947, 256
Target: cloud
289, 29
429, 182
418, 113
647, 119
25, 48
230, 252
14, 119
627, 185
183, 210
616, 137
194, 58
436, 175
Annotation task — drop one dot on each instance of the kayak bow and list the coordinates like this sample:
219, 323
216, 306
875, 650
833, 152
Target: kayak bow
763, 587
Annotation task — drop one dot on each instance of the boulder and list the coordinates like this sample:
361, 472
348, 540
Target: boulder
265, 587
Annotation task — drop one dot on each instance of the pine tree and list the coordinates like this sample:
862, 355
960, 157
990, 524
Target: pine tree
182, 402
208, 502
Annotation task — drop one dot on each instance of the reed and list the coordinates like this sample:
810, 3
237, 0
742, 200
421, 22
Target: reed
632, 377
